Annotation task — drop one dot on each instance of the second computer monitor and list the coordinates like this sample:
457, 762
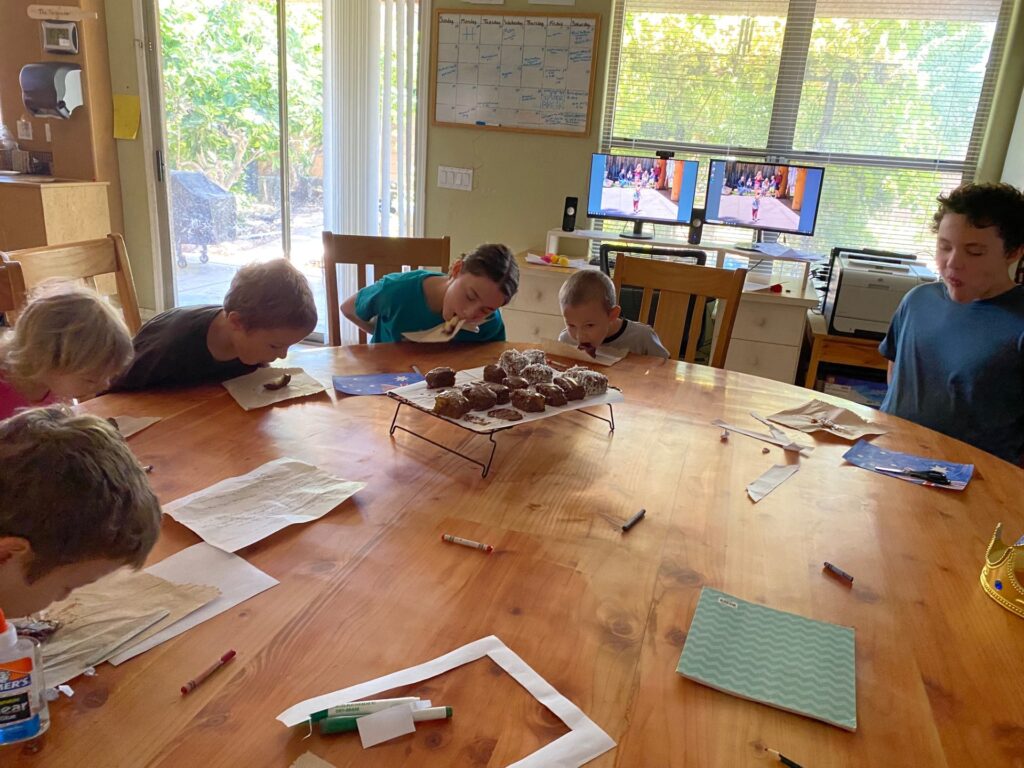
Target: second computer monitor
763, 196
641, 189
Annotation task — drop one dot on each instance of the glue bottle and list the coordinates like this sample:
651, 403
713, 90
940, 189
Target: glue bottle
24, 713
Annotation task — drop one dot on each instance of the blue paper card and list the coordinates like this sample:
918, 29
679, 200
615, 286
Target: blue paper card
868, 456
373, 383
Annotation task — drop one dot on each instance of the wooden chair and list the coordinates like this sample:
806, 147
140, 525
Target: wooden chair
385, 255
12, 290
683, 292
81, 261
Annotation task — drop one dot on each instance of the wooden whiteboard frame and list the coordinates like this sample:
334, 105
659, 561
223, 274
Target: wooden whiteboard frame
494, 11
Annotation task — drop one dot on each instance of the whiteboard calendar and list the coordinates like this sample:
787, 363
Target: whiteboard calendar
514, 71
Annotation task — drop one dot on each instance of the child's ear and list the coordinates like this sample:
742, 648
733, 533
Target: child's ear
614, 314
455, 270
14, 547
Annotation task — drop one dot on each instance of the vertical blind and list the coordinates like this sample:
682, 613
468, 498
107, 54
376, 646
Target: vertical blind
891, 97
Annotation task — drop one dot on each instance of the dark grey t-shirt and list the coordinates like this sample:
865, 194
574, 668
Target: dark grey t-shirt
171, 351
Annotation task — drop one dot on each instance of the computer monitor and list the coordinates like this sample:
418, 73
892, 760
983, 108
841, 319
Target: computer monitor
763, 196
639, 189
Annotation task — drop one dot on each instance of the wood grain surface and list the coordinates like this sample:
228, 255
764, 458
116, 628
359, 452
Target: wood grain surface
602, 615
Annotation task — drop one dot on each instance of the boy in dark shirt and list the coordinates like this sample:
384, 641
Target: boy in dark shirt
268, 307
956, 347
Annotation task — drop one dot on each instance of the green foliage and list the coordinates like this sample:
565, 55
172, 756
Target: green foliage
220, 73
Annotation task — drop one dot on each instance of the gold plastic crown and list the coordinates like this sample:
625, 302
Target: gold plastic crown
999, 577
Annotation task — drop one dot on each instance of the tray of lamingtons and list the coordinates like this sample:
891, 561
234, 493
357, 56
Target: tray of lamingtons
518, 388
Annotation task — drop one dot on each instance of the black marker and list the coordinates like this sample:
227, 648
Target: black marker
633, 520
839, 572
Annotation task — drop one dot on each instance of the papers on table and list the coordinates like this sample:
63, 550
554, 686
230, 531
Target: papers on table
605, 355
818, 416
871, 457
583, 743
309, 760
233, 577
240, 511
770, 480
250, 390
387, 724
781, 251
420, 395
373, 383
132, 425
102, 617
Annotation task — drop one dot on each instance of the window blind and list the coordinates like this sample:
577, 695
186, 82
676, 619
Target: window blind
891, 98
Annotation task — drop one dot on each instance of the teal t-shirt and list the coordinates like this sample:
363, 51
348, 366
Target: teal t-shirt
959, 368
398, 303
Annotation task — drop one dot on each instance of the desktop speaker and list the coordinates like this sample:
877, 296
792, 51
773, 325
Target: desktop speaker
569, 214
696, 225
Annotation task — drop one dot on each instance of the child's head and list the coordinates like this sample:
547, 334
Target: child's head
269, 307
74, 506
480, 283
68, 341
980, 229
588, 307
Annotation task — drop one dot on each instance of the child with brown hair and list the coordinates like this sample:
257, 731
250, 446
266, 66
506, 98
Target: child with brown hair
74, 506
593, 318
474, 289
268, 307
67, 343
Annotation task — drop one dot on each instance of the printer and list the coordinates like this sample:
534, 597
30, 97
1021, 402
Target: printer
865, 287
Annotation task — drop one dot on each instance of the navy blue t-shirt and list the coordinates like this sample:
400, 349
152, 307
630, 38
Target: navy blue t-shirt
959, 368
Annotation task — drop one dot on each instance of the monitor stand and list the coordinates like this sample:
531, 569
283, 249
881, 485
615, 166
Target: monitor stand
637, 232
752, 244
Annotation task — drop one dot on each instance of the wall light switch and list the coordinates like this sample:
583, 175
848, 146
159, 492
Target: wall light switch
455, 178
46, 130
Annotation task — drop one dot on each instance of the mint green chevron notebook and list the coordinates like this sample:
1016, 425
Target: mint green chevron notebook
773, 657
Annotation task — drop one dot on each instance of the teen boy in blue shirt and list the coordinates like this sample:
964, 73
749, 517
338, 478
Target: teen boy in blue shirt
956, 347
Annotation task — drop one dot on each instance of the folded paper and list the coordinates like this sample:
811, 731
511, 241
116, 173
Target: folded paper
818, 416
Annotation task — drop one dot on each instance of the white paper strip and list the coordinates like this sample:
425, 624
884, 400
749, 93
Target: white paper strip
203, 564
240, 511
784, 444
583, 743
250, 390
385, 725
771, 480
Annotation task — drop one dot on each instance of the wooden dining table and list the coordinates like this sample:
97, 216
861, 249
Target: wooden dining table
600, 614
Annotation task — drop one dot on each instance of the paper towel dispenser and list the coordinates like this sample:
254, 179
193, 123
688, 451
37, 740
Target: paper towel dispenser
51, 89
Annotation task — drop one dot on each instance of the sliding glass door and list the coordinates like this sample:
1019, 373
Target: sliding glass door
240, 120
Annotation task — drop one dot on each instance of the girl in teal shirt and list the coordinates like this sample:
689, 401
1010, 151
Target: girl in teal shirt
474, 289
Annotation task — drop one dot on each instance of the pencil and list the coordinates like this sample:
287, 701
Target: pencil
782, 758
837, 571
194, 683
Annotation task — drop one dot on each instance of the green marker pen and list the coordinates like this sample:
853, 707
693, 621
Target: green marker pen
347, 724
360, 708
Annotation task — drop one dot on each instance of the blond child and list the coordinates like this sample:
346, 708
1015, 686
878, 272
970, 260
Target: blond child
67, 343
474, 290
268, 307
74, 506
593, 319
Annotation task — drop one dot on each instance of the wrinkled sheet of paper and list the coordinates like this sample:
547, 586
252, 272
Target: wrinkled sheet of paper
419, 394
583, 743
770, 480
240, 511
605, 355
249, 392
309, 760
233, 577
439, 333
100, 618
132, 425
816, 415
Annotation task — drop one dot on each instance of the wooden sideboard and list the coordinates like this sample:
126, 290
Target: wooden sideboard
34, 213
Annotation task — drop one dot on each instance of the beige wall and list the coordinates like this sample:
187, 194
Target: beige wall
520, 180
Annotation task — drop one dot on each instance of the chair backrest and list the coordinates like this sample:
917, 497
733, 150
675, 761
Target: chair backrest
83, 260
12, 289
683, 292
385, 255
